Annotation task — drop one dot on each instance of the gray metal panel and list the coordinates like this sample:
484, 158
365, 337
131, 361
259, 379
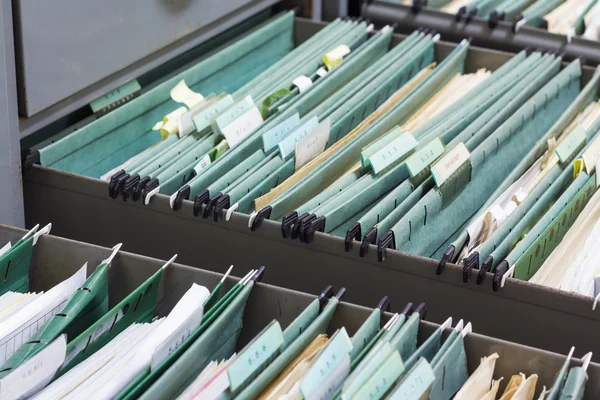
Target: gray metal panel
521, 312
74, 51
56, 258
501, 37
11, 203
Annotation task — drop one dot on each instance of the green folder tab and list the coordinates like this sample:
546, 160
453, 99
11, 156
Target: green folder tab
235, 111
273, 136
379, 383
416, 383
423, 158
288, 145
573, 142
396, 150
204, 118
259, 353
115, 96
338, 347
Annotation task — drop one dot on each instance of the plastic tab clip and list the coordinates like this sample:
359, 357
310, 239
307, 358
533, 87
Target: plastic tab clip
448, 255
201, 199
387, 241
287, 223
369, 239
352, 235
469, 263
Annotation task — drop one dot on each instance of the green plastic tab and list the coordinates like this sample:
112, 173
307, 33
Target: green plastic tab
117, 97
395, 151
255, 356
415, 384
338, 347
419, 163
571, 144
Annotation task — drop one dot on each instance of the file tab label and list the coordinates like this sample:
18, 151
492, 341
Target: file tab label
272, 137
571, 144
416, 383
591, 155
424, 157
203, 164
312, 145
117, 97
205, 117
450, 163
242, 127
385, 376
288, 144
396, 150
181, 93
331, 356
235, 111
255, 356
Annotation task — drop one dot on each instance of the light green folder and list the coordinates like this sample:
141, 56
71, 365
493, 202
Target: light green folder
349, 154
534, 14
296, 340
321, 90
575, 384
225, 70
444, 210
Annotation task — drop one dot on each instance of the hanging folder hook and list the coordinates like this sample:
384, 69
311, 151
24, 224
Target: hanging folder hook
501, 269
31, 232
5, 248
595, 303
130, 185
113, 253
116, 182
247, 277
385, 304
324, 297
485, 268
468, 329
182, 194
150, 189
210, 205
586, 361
459, 325
258, 275
230, 211
287, 222
508, 274
302, 220
171, 261
468, 264
223, 202
447, 324
136, 191
226, 274
351, 235
387, 241
422, 310
318, 225
257, 217
201, 199
369, 239
446, 257
408, 309
45, 230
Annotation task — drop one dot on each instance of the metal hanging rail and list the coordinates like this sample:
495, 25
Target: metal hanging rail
499, 35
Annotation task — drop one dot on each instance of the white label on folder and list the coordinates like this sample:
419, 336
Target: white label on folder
333, 382
275, 135
288, 144
168, 126
181, 93
330, 357
256, 355
303, 83
203, 164
204, 119
312, 145
450, 163
176, 338
242, 127
35, 373
423, 158
392, 152
116, 96
414, 384
590, 156
571, 143
234, 112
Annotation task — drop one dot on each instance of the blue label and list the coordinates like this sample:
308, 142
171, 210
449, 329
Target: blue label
275, 135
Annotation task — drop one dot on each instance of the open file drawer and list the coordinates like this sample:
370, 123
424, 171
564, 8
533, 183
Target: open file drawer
81, 209
55, 258
66, 47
